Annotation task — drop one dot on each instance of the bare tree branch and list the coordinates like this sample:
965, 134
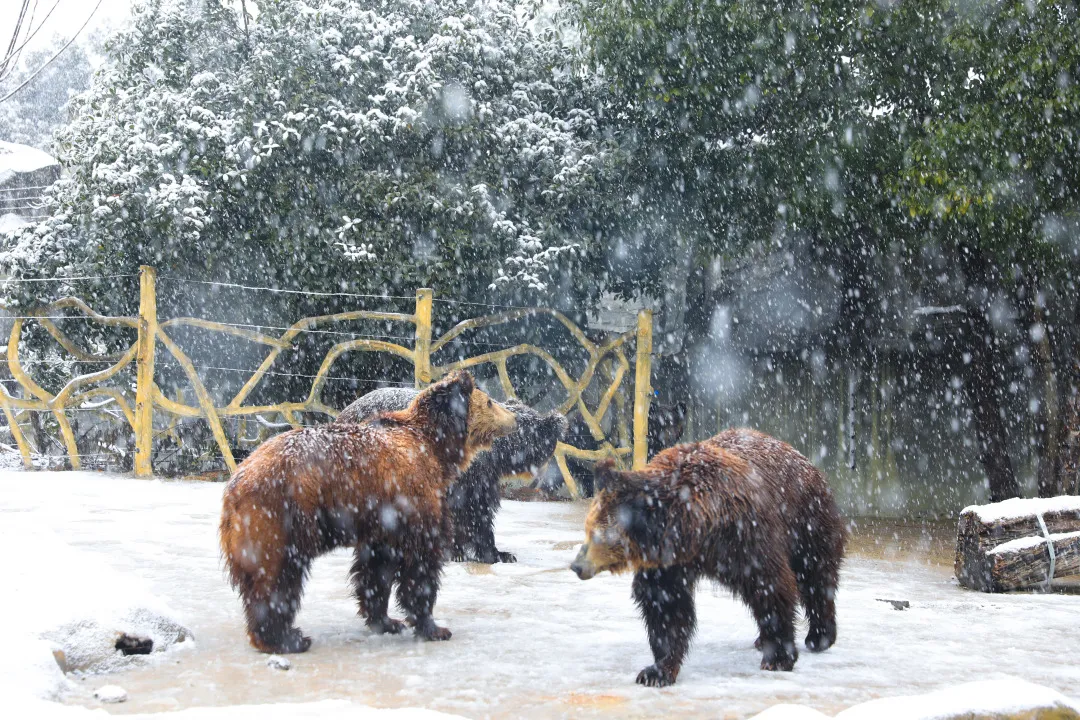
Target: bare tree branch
19, 21
58, 54
10, 60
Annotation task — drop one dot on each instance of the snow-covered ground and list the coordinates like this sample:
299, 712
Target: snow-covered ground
530, 639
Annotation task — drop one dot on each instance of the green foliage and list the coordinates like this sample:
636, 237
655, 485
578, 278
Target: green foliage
1001, 158
744, 121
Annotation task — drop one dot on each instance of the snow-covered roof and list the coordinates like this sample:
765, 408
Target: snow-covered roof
9, 222
16, 159
614, 314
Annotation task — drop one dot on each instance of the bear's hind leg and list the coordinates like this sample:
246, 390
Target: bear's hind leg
773, 608
270, 606
483, 524
771, 593
665, 597
373, 572
418, 585
817, 572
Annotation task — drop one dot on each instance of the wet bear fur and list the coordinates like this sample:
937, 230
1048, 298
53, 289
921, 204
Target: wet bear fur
474, 498
378, 487
742, 509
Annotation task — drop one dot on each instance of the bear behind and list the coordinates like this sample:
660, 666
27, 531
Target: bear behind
816, 531
763, 523
666, 425
379, 487
474, 498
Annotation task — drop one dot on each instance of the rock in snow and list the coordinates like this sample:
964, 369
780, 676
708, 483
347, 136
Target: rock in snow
71, 608
278, 663
111, 694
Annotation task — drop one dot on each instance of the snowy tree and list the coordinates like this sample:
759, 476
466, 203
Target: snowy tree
746, 129
906, 153
995, 181
332, 145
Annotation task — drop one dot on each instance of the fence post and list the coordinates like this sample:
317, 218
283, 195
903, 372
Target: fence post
422, 346
144, 363
642, 388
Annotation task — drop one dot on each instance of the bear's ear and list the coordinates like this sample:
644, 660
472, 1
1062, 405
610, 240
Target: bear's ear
558, 425
449, 399
460, 384
605, 476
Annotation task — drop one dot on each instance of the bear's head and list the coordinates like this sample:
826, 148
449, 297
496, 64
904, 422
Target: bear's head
532, 444
620, 524
666, 425
462, 418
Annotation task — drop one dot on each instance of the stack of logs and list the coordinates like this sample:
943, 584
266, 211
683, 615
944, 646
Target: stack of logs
1002, 547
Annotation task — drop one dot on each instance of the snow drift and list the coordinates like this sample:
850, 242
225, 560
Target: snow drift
1005, 699
67, 611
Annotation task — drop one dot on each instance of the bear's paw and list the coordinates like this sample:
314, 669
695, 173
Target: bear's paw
654, 676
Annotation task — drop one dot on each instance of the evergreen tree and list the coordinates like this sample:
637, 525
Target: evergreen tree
372, 147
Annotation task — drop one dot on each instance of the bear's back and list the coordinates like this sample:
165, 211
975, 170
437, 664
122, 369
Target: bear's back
342, 464
796, 481
703, 474
375, 402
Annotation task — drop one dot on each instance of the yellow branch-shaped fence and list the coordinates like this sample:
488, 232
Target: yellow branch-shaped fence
149, 397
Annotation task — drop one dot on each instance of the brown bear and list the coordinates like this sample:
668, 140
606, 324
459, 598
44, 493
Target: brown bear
743, 509
475, 497
379, 487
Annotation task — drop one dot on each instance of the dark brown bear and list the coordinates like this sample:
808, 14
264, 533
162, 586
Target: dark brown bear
379, 487
743, 509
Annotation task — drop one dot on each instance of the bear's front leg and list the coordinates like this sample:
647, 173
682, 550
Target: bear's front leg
665, 597
418, 585
374, 570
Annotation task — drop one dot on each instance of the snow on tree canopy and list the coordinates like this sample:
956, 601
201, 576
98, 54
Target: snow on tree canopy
445, 139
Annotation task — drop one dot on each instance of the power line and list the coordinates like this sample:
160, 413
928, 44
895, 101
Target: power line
291, 292
67, 278
14, 52
58, 53
256, 371
487, 305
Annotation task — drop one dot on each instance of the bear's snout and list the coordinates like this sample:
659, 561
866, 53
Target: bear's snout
582, 566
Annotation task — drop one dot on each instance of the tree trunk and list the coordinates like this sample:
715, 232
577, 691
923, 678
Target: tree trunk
984, 391
675, 381
1066, 358
983, 381
1044, 389
1068, 459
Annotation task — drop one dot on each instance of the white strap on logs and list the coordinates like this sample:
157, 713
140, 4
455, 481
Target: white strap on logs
1050, 549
